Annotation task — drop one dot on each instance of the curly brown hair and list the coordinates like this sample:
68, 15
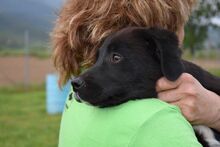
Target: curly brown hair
83, 24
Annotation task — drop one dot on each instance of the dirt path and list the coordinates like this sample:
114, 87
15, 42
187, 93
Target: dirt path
12, 69
15, 70
207, 64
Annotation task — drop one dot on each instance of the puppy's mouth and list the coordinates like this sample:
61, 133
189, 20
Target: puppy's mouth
96, 102
103, 102
77, 97
89, 102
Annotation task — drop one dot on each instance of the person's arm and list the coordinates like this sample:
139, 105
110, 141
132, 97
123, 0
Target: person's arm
167, 128
198, 105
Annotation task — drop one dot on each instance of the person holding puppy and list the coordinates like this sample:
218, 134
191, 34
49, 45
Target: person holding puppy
83, 25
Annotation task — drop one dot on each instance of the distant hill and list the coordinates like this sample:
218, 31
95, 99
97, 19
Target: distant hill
36, 16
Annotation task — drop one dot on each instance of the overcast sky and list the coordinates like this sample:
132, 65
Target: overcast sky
216, 20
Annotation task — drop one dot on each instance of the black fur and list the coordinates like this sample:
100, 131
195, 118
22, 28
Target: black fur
145, 56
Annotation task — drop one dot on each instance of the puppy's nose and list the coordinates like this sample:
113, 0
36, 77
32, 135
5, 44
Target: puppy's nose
77, 83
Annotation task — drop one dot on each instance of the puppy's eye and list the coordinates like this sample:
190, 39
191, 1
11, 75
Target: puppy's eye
115, 58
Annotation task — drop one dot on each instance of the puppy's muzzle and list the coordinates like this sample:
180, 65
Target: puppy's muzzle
77, 84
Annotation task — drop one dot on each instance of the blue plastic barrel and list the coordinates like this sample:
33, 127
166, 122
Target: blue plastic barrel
55, 97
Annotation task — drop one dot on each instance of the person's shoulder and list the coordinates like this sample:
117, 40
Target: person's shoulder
149, 107
146, 122
164, 127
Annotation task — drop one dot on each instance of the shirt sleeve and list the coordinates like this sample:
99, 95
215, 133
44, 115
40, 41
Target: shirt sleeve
167, 128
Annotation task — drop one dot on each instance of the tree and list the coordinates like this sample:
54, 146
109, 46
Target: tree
199, 23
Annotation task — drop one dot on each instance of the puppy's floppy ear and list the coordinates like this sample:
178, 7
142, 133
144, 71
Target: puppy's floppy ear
167, 51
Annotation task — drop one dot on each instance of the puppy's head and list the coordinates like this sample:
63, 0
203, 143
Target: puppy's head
128, 65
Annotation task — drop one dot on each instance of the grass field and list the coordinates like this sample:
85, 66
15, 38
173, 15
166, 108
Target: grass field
24, 121
215, 72
34, 52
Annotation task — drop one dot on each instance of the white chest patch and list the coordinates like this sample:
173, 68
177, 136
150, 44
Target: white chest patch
208, 135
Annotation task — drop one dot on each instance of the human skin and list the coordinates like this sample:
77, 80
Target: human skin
199, 105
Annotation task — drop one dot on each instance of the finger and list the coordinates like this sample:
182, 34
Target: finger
185, 112
176, 103
170, 96
164, 84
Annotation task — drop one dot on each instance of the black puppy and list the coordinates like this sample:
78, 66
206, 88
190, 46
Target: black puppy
128, 65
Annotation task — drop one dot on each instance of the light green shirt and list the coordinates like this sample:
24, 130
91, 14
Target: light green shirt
140, 123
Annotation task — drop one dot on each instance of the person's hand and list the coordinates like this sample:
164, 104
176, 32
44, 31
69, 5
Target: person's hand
197, 104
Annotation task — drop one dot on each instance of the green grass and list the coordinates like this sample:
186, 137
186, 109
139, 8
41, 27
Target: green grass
24, 121
23, 118
202, 54
215, 72
35, 52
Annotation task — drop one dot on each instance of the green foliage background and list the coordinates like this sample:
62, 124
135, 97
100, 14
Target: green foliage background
196, 30
24, 121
